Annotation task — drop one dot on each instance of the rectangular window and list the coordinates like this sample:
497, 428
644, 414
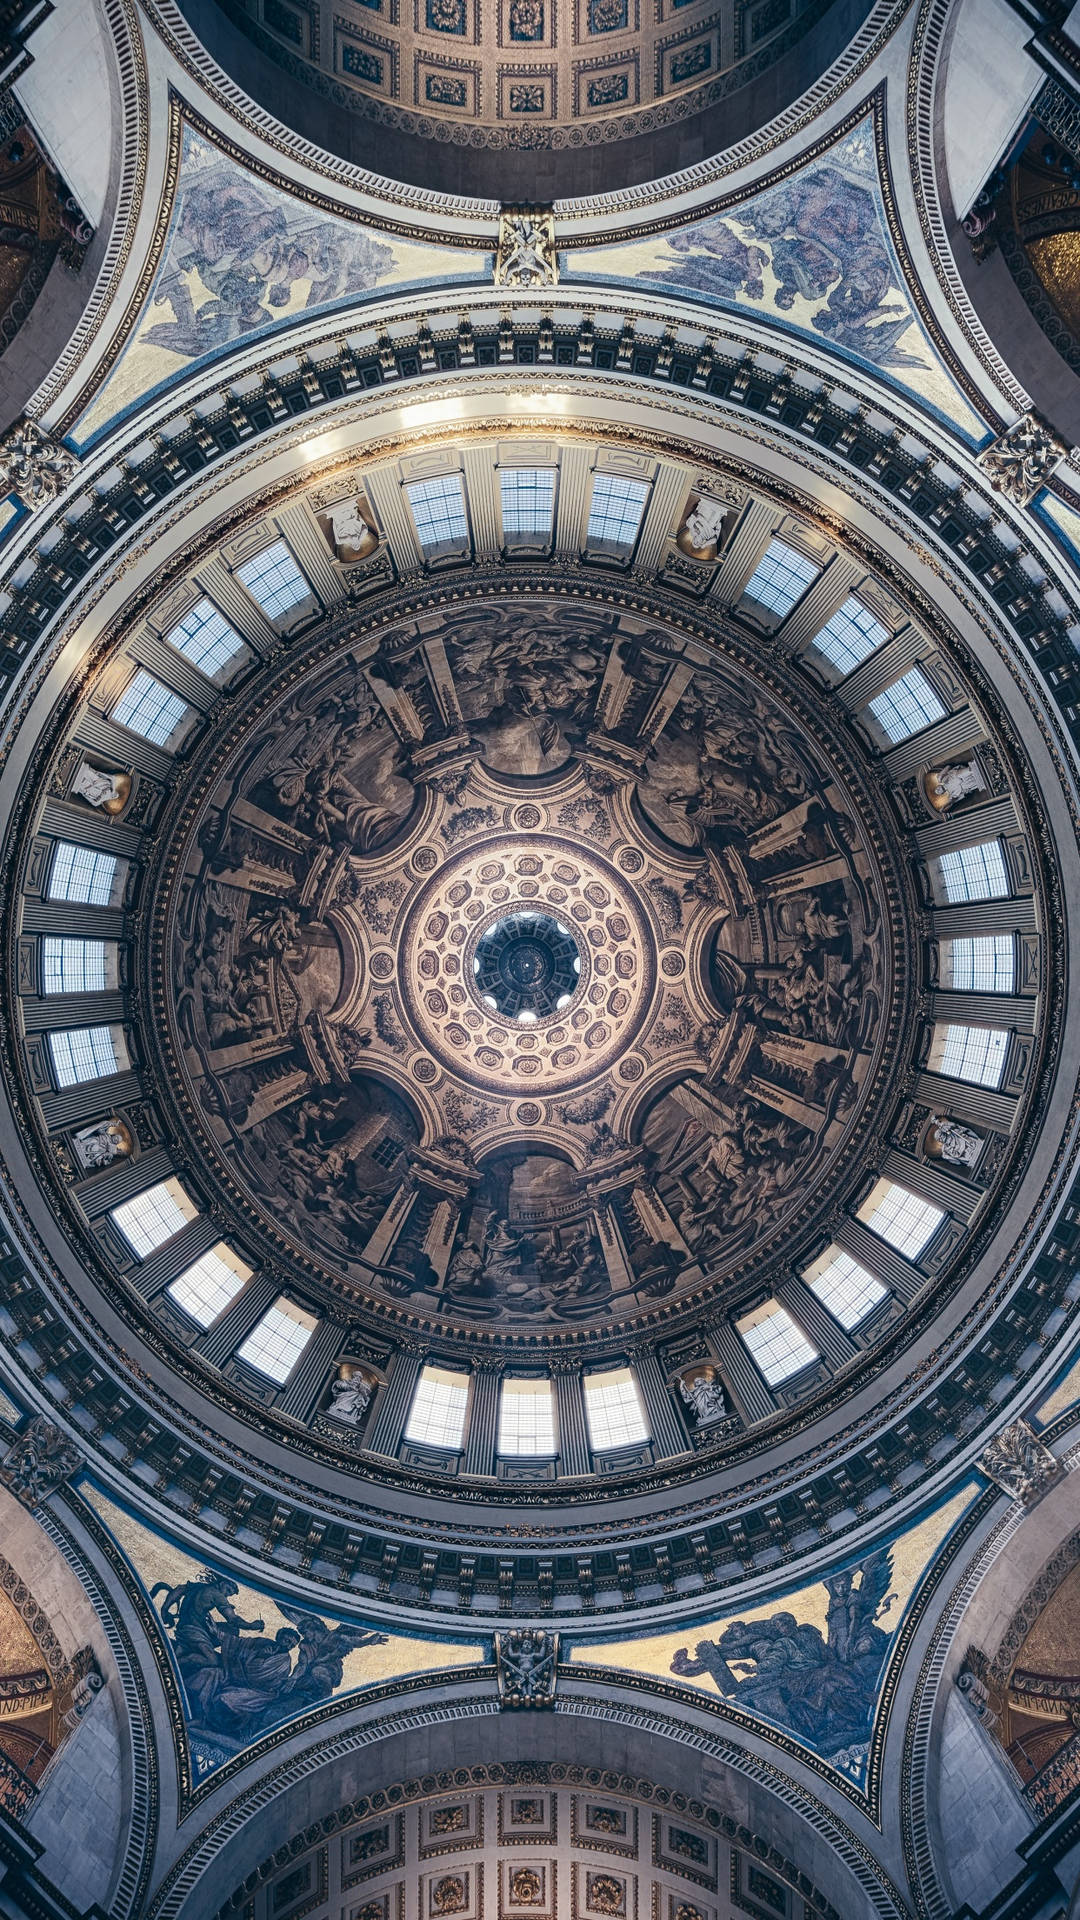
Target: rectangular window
81, 875
851, 636
614, 1411
205, 638
154, 1216
75, 966
780, 578
527, 1417
975, 1054
85, 1053
615, 511
276, 1342
779, 1348
528, 500
846, 1289
437, 1415
974, 873
901, 1218
438, 510
908, 706
985, 964
274, 580
212, 1284
148, 708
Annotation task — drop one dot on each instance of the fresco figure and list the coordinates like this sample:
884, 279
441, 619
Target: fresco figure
821, 1688
239, 1679
240, 253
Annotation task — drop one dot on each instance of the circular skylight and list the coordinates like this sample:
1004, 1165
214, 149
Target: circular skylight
526, 966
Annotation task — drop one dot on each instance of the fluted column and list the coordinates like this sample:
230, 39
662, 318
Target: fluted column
746, 1385
391, 1413
247, 1309
666, 1426
483, 1419
823, 1332
574, 1455
301, 1390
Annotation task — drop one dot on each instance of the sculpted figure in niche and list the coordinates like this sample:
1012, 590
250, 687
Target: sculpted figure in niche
351, 1396
705, 1398
945, 785
353, 538
101, 1144
106, 791
948, 1140
701, 530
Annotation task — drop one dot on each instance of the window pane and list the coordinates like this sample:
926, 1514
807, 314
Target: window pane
901, 1218
207, 1288
615, 509
83, 1053
274, 580
151, 1218
275, 1344
907, 706
437, 1415
205, 638
72, 966
80, 874
614, 1410
778, 1346
845, 1288
527, 1417
781, 577
438, 508
976, 1054
146, 707
974, 873
528, 499
851, 636
985, 964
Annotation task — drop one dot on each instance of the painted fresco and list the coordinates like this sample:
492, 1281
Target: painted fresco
248, 1661
811, 1663
241, 254
815, 251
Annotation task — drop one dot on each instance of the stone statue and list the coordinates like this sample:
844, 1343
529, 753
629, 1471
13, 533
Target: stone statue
34, 465
101, 1144
959, 1145
526, 251
353, 538
1020, 1463
705, 1399
106, 791
525, 1662
1021, 459
351, 1398
701, 530
945, 785
39, 1461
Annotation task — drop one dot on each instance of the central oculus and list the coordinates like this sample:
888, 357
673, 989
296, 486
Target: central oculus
527, 966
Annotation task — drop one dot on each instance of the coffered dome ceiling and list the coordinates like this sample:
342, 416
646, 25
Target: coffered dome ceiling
526, 98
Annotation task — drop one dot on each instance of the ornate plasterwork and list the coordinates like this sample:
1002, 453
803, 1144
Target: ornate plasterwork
1022, 459
34, 465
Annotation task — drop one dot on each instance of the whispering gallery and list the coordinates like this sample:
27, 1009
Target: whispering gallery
540, 890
